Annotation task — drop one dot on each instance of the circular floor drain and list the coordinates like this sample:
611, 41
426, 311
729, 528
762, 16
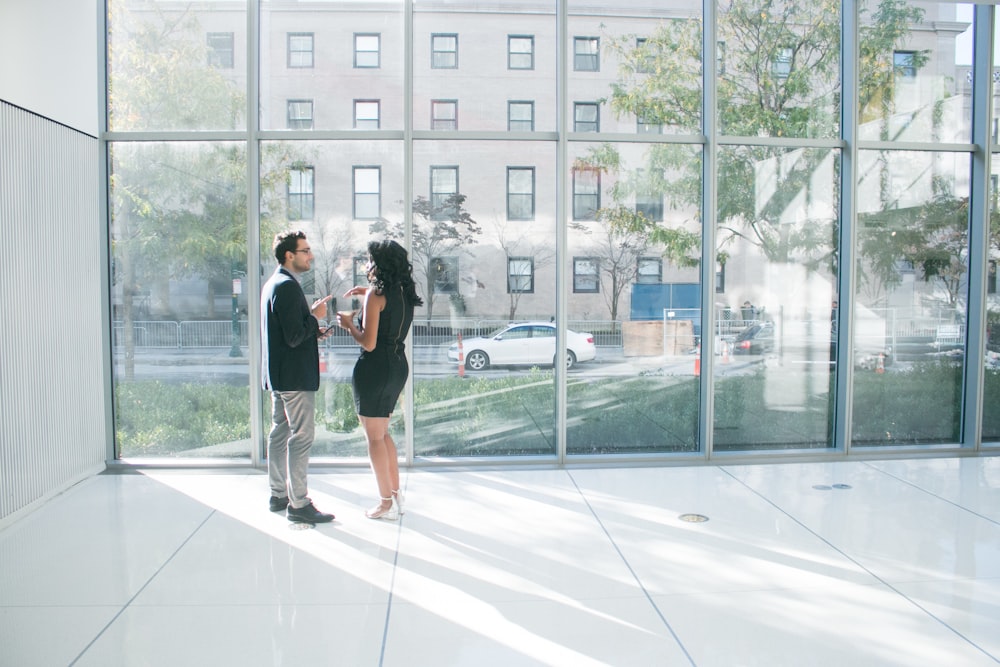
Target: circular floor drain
693, 518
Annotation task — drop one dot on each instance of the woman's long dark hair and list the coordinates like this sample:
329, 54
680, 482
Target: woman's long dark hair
392, 268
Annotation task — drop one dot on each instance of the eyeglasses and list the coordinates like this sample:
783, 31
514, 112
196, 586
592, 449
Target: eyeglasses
306, 250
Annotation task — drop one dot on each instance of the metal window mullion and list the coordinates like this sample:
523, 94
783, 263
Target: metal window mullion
104, 171
408, 416
709, 210
253, 233
846, 269
562, 240
979, 228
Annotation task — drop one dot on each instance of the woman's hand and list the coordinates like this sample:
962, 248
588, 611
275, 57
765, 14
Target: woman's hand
356, 291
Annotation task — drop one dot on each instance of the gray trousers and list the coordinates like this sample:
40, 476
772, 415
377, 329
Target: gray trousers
293, 427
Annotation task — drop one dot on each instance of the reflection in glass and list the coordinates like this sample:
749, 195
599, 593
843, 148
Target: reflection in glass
173, 67
781, 75
651, 77
636, 292
911, 296
991, 389
775, 313
915, 72
180, 343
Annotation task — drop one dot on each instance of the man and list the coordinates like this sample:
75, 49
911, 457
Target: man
289, 330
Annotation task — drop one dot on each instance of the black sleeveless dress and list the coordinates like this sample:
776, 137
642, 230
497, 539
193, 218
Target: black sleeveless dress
379, 375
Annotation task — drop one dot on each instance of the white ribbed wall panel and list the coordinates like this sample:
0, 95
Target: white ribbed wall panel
52, 377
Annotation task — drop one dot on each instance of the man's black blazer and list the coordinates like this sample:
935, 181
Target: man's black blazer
288, 332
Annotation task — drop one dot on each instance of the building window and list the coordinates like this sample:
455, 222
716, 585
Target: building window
586, 274
220, 50
649, 270
367, 115
444, 51
720, 277
520, 275
367, 50
444, 275
520, 52
586, 117
991, 277
444, 114
520, 193
367, 193
586, 54
444, 184
586, 194
782, 65
647, 124
301, 193
903, 62
300, 114
648, 198
300, 49
520, 116
646, 60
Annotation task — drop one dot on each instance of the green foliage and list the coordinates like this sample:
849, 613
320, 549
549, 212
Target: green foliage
918, 405
515, 415
778, 67
159, 419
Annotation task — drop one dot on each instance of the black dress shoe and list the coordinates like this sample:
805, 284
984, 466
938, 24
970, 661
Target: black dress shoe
277, 504
308, 514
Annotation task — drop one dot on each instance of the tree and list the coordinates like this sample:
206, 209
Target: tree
778, 66
179, 209
514, 245
439, 231
621, 237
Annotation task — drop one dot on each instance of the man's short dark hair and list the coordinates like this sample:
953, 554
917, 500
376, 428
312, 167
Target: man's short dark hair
286, 241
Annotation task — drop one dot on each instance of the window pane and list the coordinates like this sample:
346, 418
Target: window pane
780, 271
168, 74
510, 408
300, 50
336, 55
339, 244
915, 87
367, 114
178, 302
782, 70
912, 268
652, 70
366, 51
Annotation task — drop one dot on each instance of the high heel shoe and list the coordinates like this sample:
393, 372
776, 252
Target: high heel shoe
380, 511
397, 495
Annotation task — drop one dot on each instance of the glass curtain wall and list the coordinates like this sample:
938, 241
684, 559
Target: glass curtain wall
909, 310
991, 390
178, 230
558, 242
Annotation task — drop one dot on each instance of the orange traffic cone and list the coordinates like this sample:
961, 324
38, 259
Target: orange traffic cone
725, 351
461, 358
880, 366
697, 366
322, 361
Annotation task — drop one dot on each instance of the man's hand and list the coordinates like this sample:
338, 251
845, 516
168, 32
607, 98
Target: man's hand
319, 307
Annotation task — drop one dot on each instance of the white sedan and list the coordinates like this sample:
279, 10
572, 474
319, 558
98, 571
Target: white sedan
523, 344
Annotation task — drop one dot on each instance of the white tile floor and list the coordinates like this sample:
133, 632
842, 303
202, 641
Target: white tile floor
517, 567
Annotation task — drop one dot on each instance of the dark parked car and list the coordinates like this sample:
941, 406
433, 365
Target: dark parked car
755, 339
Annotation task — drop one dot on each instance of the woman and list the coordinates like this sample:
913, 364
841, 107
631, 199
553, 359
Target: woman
381, 370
